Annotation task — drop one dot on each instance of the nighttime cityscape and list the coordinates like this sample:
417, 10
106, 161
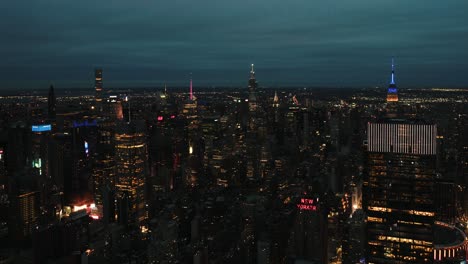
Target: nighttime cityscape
260, 132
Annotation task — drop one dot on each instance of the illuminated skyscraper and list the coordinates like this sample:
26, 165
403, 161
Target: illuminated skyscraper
40, 148
392, 92
98, 88
23, 214
399, 190
131, 157
275, 100
252, 88
190, 106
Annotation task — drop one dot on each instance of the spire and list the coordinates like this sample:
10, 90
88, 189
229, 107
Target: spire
392, 93
252, 72
393, 72
191, 90
275, 100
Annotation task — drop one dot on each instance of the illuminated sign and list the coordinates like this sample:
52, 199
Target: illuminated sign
160, 118
392, 90
307, 205
85, 123
41, 128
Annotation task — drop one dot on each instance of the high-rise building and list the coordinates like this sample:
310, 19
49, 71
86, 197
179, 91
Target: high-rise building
310, 231
252, 92
392, 92
276, 100
61, 164
98, 88
398, 191
131, 158
51, 103
104, 163
40, 137
190, 107
113, 108
23, 214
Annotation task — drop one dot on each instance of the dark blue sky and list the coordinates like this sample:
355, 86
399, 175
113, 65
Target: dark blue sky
346, 43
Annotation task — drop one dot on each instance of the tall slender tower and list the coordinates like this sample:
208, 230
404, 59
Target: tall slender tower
51, 103
98, 88
392, 92
252, 88
398, 191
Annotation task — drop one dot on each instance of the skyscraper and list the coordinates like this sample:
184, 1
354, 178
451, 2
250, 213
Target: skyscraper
98, 88
252, 88
392, 92
104, 165
398, 191
131, 158
190, 105
23, 214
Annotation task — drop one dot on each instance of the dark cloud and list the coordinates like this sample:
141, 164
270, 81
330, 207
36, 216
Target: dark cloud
297, 42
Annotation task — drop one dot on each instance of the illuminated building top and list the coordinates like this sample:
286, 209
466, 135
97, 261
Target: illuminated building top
275, 100
399, 137
392, 93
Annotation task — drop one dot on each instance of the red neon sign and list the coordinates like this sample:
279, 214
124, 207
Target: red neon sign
307, 205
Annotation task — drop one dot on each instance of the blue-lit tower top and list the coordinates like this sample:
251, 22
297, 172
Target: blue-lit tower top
392, 93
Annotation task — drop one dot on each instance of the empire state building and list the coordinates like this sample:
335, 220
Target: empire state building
392, 92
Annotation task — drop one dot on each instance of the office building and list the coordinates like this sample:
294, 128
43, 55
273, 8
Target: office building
399, 190
131, 158
23, 214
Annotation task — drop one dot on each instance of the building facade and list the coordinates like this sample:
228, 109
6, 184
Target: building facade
399, 190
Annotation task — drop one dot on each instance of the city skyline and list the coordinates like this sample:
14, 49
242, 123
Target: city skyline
303, 43
256, 132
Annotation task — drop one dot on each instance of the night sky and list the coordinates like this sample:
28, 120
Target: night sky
342, 43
